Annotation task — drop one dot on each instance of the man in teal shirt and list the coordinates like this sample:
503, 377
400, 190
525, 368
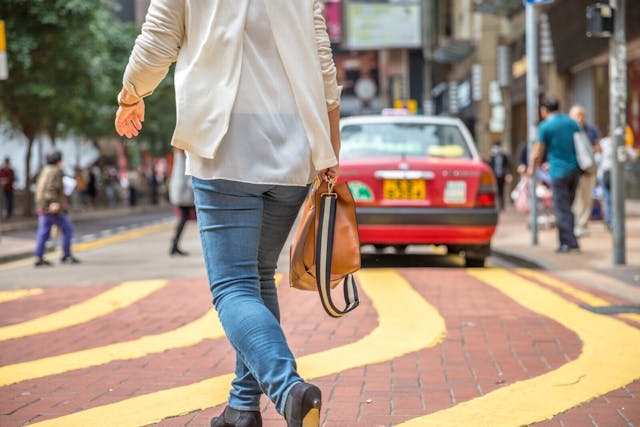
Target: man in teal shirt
555, 135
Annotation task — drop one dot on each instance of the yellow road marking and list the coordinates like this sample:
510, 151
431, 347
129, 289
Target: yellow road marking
585, 297
207, 326
609, 360
404, 319
121, 237
107, 302
81, 247
18, 293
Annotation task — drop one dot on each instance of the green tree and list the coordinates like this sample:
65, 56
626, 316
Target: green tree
61, 74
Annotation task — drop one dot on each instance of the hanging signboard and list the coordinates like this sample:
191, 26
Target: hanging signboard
379, 25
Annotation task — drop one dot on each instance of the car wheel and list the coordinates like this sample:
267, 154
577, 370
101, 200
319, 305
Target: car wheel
400, 249
473, 262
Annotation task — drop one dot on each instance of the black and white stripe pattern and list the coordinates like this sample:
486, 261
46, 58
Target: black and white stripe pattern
324, 251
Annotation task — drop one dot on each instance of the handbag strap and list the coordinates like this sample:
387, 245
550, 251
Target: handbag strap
324, 251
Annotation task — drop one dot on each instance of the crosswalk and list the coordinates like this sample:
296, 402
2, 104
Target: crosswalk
406, 323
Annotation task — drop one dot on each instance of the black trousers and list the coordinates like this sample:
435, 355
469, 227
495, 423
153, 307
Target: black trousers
182, 220
500, 184
564, 192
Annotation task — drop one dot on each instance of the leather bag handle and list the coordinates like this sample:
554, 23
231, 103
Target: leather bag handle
324, 252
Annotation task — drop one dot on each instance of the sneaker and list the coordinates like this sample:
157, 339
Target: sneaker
42, 262
69, 259
565, 249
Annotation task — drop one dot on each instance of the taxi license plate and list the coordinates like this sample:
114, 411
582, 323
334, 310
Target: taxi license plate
404, 189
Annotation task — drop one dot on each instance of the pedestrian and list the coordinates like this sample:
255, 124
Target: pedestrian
181, 196
604, 159
51, 205
92, 184
258, 118
583, 204
501, 167
7, 180
555, 137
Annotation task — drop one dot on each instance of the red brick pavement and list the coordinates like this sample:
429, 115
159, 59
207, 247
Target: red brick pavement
491, 342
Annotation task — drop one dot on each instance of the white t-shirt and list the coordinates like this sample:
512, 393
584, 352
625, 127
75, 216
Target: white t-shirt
266, 141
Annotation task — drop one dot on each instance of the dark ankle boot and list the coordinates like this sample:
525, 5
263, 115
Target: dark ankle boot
303, 406
235, 418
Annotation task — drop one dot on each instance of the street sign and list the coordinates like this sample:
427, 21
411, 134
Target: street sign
537, 1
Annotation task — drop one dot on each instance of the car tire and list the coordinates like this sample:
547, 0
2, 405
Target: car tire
473, 262
400, 249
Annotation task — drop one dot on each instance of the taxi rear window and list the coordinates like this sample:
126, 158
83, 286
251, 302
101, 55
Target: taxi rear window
377, 140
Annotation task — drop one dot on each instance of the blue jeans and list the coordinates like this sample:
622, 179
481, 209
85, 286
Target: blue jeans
45, 222
243, 228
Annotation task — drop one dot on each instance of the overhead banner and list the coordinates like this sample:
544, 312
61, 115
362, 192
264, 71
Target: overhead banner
382, 25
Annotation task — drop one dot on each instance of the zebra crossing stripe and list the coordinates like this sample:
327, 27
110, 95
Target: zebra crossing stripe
609, 360
118, 297
6, 296
404, 318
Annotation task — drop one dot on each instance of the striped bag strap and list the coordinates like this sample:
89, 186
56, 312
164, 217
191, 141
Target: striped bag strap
324, 251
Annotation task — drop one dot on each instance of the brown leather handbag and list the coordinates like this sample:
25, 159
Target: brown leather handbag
326, 246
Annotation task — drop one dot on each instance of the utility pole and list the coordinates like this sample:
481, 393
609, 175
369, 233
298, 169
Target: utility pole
532, 105
427, 56
618, 119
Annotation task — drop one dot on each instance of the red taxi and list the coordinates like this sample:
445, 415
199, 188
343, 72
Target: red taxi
419, 180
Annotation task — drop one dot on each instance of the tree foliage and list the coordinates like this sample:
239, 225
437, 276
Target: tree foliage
65, 60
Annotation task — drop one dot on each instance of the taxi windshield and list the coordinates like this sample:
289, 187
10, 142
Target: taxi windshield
377, 140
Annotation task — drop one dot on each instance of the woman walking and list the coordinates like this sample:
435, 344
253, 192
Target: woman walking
258, 118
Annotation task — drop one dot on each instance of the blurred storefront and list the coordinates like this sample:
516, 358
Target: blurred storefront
377, 50
582, 70
572, 66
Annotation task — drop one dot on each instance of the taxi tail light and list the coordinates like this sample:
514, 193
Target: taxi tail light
486, 197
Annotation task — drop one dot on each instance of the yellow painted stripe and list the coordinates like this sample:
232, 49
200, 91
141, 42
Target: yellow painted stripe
585, 297
6, 296
404, 319
121, 237
107, 302
609, 360
207, 326
98, 243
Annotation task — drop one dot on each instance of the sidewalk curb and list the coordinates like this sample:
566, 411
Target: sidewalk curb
522, 260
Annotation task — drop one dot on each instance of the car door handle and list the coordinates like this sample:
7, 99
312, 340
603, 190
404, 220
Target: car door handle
396, 174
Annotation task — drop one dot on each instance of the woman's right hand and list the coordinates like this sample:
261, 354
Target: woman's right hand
333, 172
130, 114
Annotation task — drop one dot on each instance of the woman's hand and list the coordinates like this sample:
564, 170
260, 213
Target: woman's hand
333, 172
54, 208
129, 116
